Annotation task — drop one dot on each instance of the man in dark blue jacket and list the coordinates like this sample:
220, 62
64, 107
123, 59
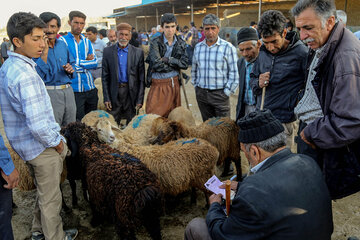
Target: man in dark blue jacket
56, 70
280, 67
284, 197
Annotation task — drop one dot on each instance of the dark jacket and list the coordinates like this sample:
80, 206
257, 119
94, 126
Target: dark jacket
286, 199
178, 60
287, 73
240, 107
135, 73
337, 134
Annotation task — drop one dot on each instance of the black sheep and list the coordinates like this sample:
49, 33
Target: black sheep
120, 186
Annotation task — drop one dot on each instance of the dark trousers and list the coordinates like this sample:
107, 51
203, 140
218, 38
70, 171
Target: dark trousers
6, 232
190, 53
122, 108
85, 102
212, 103
304, 148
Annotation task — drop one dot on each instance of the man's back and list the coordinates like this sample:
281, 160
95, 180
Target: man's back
4, 49
286, 199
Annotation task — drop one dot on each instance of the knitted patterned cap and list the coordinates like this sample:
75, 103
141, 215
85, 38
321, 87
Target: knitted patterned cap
258, 126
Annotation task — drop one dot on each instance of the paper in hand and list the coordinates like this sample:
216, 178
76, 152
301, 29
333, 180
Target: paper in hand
213, 185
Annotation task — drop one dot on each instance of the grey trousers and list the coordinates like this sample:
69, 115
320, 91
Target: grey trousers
63, 104
212, 103
197, 230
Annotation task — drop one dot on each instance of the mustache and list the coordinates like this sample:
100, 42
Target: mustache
306, 41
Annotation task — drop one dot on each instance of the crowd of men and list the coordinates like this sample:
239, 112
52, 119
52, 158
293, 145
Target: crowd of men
313, 76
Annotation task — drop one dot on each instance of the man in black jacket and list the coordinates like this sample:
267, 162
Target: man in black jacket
332, 90
284, 197
123, 76
280, 68
249, 46
167, 56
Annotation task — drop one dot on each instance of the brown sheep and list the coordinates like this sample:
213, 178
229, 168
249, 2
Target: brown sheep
220, 132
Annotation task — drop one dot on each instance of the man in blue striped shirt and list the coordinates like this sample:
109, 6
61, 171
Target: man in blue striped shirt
214, 71
30, 124
85, 59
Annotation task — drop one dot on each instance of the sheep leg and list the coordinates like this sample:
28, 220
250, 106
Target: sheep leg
238, 169
207, 204
193, 195
73, 192
226, 171
64, 206
151, 220
123, 232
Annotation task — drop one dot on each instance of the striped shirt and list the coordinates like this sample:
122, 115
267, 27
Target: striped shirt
83, 80
214, 67
26, 109
308, 108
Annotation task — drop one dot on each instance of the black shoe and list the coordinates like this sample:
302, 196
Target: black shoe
353, 238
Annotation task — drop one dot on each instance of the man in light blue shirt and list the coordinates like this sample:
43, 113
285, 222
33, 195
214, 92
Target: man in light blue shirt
98, 45
30, 124
86, 97
214, 71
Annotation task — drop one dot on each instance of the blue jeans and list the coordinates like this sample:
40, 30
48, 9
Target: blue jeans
6, 232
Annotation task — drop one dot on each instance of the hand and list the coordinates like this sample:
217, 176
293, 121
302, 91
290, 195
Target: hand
233, 186
215, 198
138, 106
90, 57
302, 135
108, 105
68, 68
60, 147
165, 59
12, 180
264, 79
46, 48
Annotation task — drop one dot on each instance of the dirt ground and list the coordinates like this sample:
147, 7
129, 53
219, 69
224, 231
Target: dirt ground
346, 212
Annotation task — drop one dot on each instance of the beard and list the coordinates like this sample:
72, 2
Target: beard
123, 43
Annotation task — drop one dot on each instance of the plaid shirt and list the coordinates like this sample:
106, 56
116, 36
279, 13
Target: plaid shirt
83, 80
26, 109
214, 67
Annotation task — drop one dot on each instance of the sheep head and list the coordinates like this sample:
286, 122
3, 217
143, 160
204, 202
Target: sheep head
166, 130
104, 130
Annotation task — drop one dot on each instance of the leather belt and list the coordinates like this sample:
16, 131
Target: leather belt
122, 85
58, 87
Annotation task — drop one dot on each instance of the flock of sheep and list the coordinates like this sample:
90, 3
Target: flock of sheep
126, 173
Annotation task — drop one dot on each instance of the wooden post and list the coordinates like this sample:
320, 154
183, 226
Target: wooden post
227, 193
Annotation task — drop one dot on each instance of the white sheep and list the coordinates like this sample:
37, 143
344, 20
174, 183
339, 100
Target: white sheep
182, 115
98, 85
92, 118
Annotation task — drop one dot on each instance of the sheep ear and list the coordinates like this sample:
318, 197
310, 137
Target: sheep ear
115, 128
